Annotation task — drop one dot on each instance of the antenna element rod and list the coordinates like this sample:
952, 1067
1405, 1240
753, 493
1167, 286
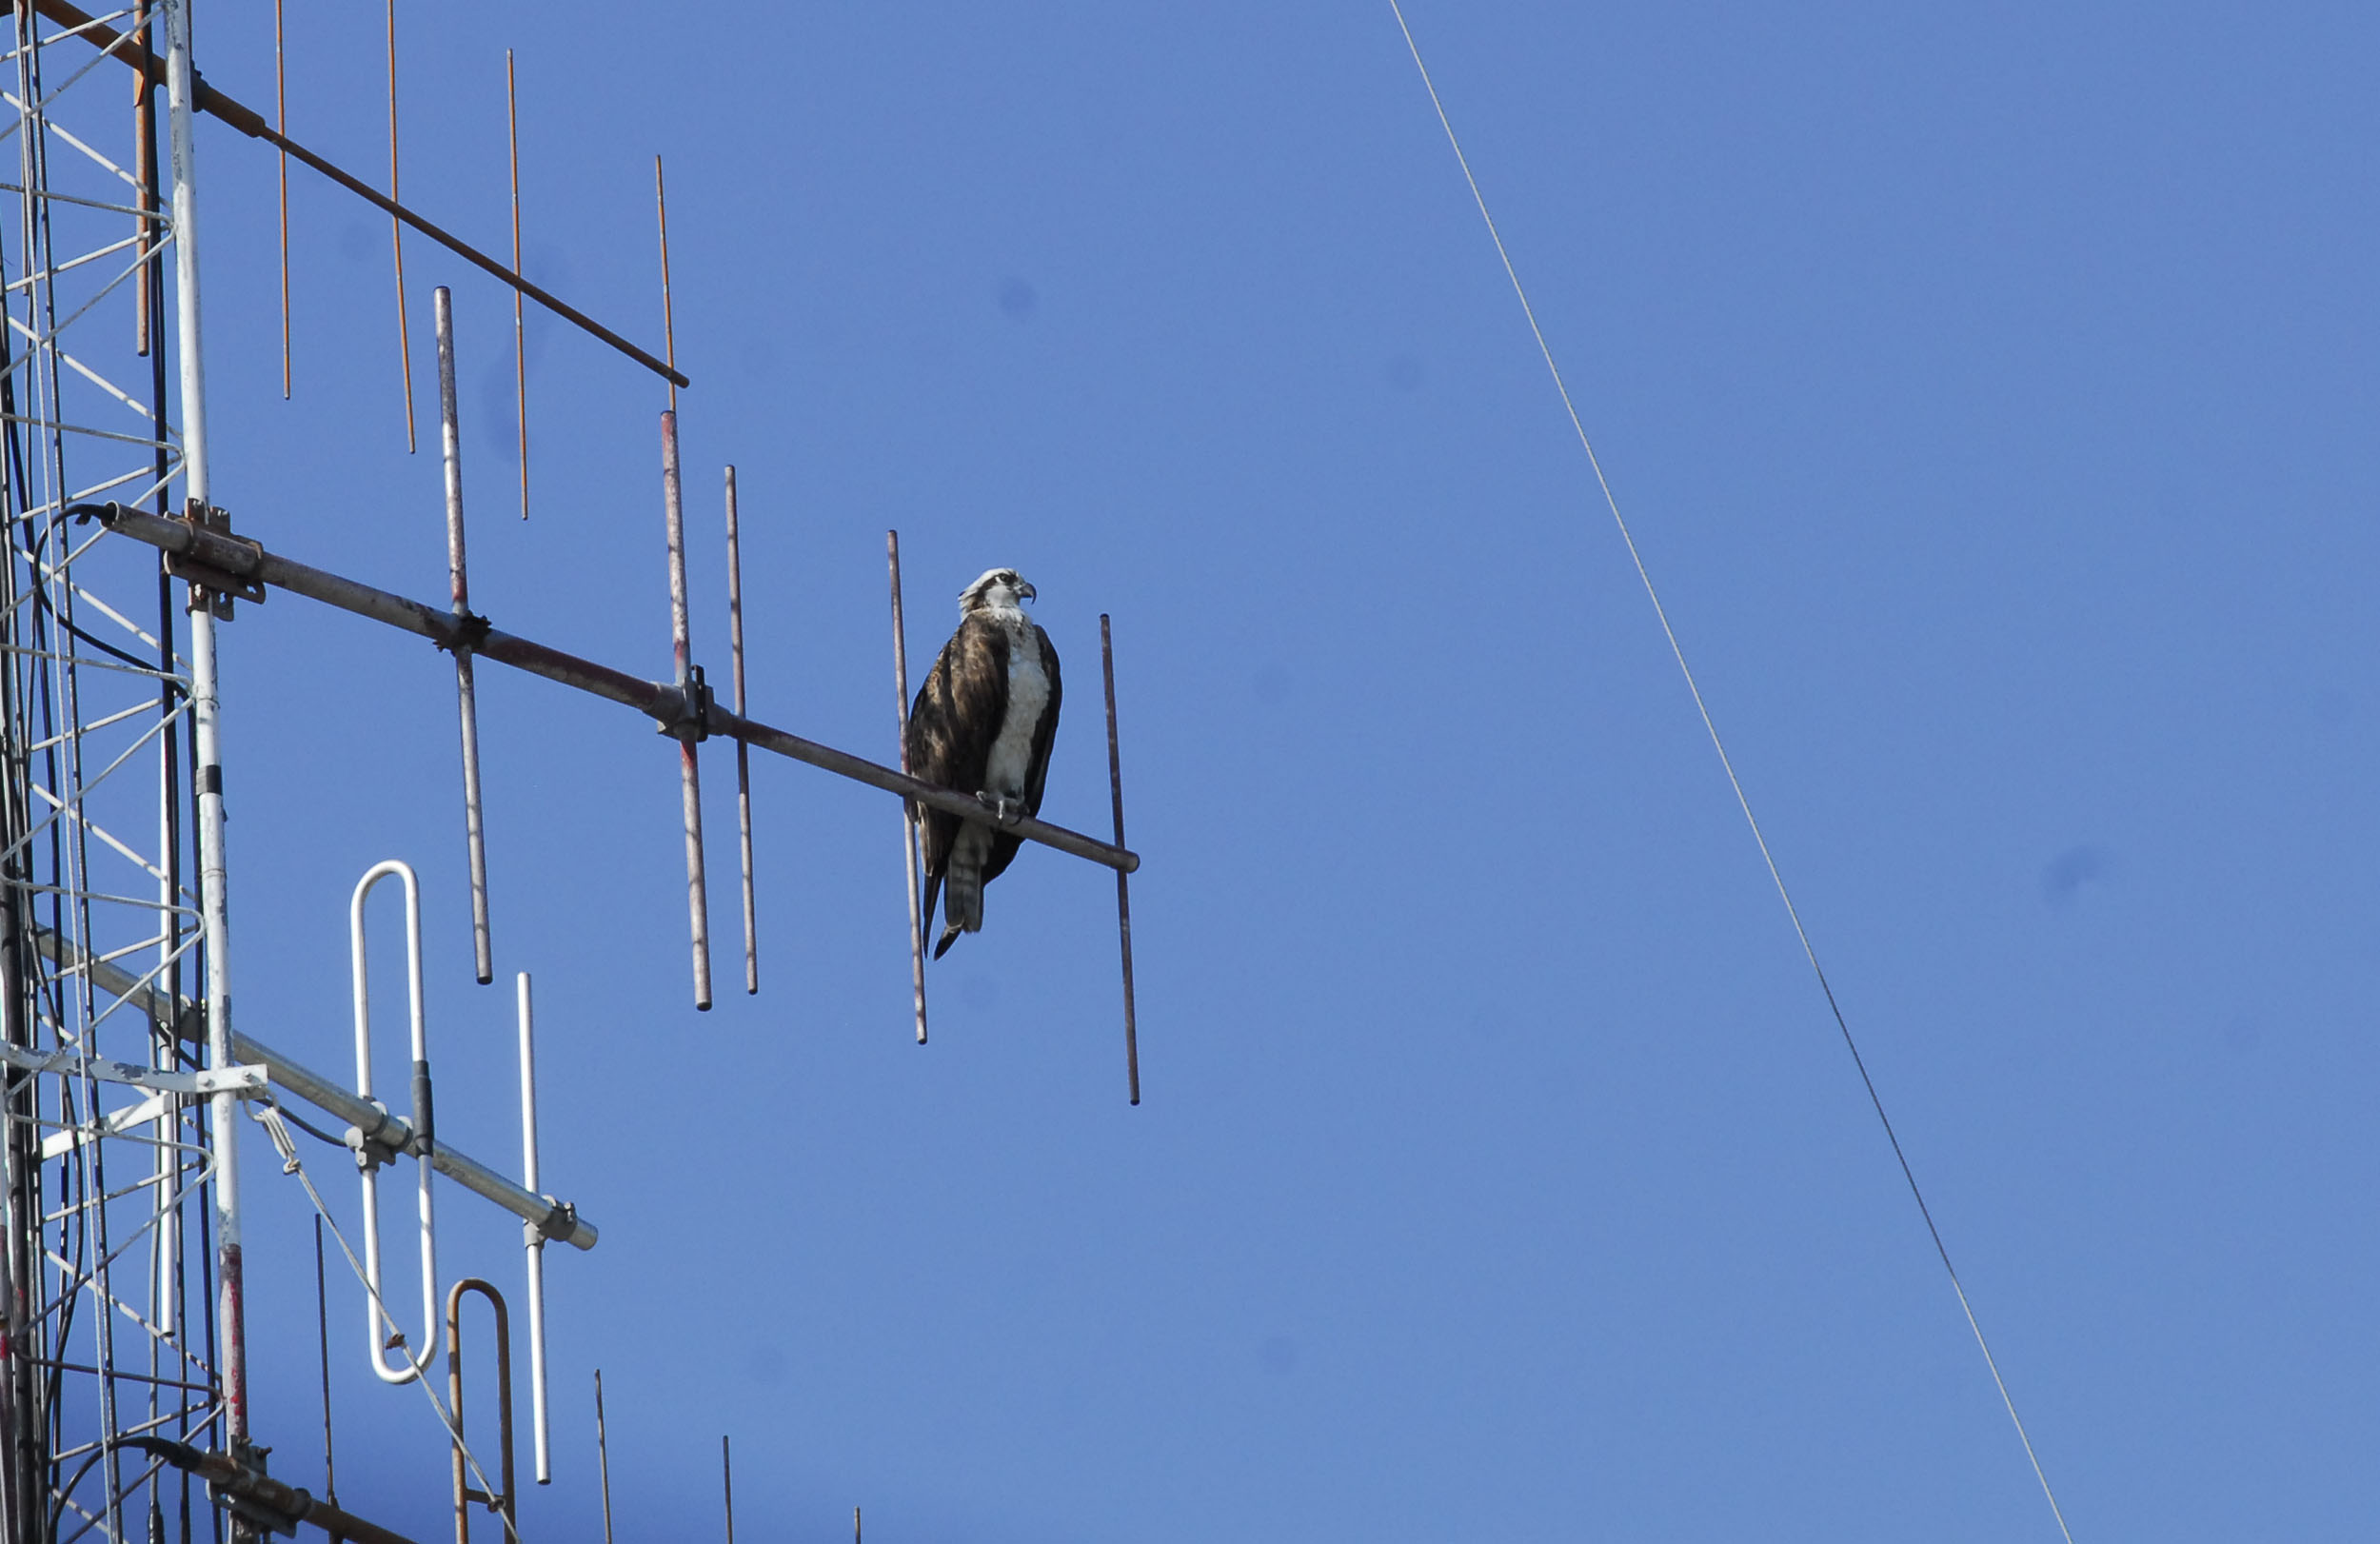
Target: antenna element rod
689, 727
1123, 890
459, 584
744, 751
909, 809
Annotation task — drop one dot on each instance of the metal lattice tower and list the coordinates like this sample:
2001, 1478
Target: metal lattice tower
109, 1274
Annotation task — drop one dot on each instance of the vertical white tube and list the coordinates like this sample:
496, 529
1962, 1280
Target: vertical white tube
535, 1241
205, 708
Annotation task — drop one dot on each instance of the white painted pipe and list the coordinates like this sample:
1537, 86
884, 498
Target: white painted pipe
411, 1364
534, 1242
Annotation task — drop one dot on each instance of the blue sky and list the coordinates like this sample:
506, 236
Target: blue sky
1990, 397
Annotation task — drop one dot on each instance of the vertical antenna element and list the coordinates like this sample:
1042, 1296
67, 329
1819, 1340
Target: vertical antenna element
281, 125
321, 1333
689, 727
1124, 889
520, 337
744, 751
728, 1486
603, 1454
396, 233
534, 1240
143, 182
668, 317
908, 811
459, 579
206, 741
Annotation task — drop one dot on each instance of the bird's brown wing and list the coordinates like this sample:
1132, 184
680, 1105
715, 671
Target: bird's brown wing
953, 722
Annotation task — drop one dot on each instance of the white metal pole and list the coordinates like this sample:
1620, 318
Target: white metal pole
206, 709
535, 1241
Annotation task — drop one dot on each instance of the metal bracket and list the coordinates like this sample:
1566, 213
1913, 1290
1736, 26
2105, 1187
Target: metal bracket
559, 1223
212, 589
370, 1151
232, 1080
470, 631
692, 721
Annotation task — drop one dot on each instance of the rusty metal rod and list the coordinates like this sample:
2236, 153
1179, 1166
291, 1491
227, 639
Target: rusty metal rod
228, 1477
396, 238
250, 121
743, 752
669, 316
656, 700
465, 688
280, 123
910, 821
688, 727
505, 1502
1124, 891
557, 1219
520, 334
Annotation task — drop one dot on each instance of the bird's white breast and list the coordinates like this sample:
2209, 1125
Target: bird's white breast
1028, 698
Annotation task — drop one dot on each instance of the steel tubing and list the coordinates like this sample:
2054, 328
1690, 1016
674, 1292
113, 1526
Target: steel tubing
206, 728
557, 1219
689, 766
743, 752
655, 700
459, 585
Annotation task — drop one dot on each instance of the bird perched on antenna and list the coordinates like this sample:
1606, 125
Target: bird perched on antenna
982, 724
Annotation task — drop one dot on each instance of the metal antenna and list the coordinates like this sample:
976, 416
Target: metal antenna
533, 1237
281, 124
908, 810
322, 1331
689, 727
603, 1454
669, 316
728, 1486
459, 581
744, 751
520, 336
396, 236
1124, 889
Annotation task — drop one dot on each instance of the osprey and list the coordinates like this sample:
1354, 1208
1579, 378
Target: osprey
982, 724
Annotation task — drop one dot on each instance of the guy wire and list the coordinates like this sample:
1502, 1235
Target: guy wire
1727, 764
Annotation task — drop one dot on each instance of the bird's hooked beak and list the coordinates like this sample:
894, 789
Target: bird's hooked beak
1025, 590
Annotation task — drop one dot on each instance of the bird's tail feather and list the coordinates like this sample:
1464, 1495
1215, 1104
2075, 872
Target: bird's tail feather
963, 894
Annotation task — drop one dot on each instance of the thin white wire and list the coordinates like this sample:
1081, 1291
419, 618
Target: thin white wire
1728, 764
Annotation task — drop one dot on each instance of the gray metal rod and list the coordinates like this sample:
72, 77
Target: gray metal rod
689, 767
1124, 892
908, 811
326, 1095
459, 581
205, 735
743, 752
651, 697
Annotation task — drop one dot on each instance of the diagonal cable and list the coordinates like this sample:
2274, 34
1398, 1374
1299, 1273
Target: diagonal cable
1728, 764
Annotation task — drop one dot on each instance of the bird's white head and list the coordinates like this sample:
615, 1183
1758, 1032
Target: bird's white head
1000, 589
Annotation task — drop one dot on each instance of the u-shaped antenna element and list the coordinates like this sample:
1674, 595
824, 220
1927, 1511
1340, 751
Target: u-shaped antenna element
411, 1362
